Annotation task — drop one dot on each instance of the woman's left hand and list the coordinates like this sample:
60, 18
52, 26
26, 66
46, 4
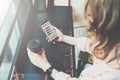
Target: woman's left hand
39, 60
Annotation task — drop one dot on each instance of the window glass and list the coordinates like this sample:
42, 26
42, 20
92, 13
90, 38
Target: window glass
4, 7
9, 34
10, 53
14, 39
6, 24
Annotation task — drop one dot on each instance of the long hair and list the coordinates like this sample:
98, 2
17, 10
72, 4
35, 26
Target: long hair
105, 24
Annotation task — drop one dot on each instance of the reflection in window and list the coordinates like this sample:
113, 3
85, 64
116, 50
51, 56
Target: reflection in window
10, 53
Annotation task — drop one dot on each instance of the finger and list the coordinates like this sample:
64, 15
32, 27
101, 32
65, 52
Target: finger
33, 55
47, 39
43, 55
43, 52
54, 42
44, 58
30, 55
55, 28
29, 52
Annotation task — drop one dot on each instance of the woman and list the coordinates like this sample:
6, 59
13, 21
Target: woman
103, 42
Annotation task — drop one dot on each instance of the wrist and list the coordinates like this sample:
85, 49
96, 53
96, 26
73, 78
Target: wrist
46, 67
49, 70
63, 38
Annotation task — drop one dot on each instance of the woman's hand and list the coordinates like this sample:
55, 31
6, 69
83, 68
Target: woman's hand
60, 35
39, 60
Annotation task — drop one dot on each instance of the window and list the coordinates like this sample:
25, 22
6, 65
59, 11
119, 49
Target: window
6, 25
9, 54
9, 34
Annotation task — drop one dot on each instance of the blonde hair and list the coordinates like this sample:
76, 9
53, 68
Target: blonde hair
105, 24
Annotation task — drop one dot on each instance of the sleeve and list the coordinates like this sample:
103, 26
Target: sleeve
83, 44
98, 77
63, 76
56, 75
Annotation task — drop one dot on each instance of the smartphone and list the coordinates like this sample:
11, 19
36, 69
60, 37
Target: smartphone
49, 31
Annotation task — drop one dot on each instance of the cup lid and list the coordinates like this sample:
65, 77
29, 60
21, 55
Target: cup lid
34, 46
